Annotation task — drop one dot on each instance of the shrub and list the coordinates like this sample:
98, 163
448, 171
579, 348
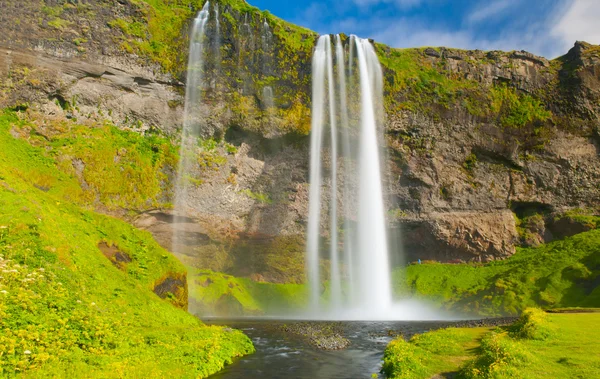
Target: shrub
403, 360
533, 324
500, 357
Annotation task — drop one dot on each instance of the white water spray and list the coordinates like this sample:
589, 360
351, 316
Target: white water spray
367, 281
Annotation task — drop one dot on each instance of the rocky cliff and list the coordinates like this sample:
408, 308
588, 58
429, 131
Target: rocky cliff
487, 150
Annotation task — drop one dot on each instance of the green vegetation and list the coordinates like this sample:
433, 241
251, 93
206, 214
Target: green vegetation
420, 83
430, 353
65, 307
586, 217
516, 110
228, 295
409, 72
159, 35
533, 325
470, 163
112, 168
258, 196
559, 274
517, 351
500, 357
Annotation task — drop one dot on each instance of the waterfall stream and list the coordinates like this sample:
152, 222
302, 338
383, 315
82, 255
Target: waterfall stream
359, 273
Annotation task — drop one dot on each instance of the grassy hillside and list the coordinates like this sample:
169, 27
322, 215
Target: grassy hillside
560, 274
68, 309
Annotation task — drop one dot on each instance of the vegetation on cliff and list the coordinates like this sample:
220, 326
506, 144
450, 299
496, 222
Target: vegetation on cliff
77, 288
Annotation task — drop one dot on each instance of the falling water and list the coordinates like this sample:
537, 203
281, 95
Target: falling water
316, 141
268, 97
365, 251
374, 288
266, 36
217, 45
192, 116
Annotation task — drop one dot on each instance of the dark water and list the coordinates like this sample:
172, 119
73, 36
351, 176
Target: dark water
281, 355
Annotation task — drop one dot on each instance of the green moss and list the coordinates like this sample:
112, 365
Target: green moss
59, 24
534, 324
419, 83
586, 217
514, 110
470, 163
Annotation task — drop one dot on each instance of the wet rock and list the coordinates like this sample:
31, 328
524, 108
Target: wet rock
321, 335
173, 288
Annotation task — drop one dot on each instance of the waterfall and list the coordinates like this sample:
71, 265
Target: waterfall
266, 65
192, 119
366, 284
316, 141
266, 36
217, 37
267, 94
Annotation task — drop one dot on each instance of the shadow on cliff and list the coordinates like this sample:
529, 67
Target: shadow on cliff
271, 248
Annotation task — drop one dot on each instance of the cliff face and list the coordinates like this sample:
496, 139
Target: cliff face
474, 137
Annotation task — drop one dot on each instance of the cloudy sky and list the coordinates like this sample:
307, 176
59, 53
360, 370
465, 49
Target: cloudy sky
544, 27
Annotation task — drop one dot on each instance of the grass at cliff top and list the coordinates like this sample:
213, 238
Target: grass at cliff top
571, 351
560, 274
65, 309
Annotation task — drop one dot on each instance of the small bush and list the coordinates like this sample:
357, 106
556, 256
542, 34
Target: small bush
533, 325
404, 360
500, 357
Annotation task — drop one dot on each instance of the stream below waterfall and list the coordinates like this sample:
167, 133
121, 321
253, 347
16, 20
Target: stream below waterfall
285, 356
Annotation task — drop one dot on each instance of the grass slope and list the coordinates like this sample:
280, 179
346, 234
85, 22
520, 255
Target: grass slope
65, 309
560, 274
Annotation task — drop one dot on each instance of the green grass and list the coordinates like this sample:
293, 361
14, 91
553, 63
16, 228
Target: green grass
573, 353
242, 295
65, 309
559, 274
572, 350
431, 353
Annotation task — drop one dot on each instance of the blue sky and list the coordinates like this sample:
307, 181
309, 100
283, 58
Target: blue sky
544, 27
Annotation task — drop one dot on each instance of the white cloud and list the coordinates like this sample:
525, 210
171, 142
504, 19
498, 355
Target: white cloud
490, 10
580, 22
